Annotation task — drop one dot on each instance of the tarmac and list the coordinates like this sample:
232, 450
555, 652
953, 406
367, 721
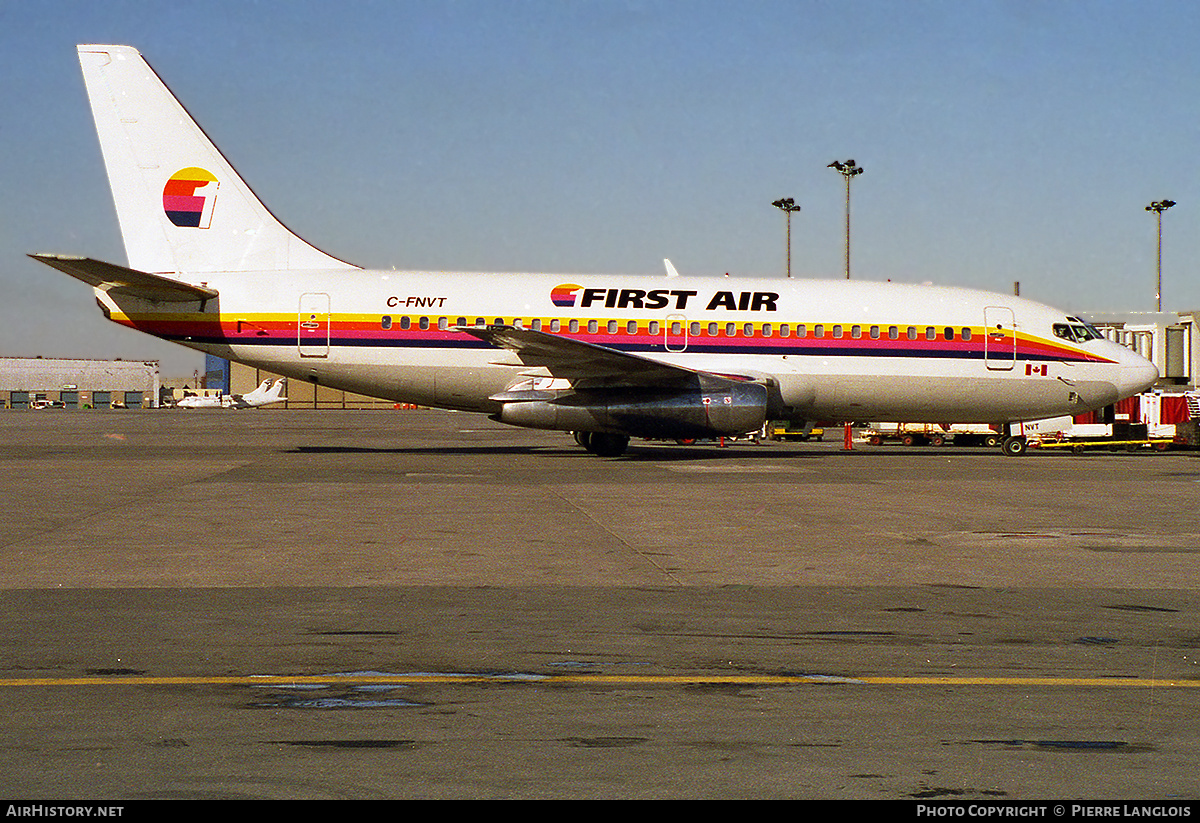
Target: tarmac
421, 604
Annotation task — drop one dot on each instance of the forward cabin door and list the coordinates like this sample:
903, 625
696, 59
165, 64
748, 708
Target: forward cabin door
312, 325
999, 338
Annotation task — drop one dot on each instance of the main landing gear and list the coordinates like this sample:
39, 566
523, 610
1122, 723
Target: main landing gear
603, 444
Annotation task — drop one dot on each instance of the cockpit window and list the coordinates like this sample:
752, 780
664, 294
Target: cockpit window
1076, 332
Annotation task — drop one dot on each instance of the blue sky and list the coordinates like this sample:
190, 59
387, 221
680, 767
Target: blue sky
1001, 141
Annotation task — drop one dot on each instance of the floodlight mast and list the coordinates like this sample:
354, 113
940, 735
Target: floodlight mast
1158, 207
788, 205
848, 170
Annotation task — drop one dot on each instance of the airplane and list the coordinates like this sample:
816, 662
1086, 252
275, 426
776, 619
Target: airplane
265, 394
606, 357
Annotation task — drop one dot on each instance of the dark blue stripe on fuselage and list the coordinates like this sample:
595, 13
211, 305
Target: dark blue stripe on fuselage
468, 342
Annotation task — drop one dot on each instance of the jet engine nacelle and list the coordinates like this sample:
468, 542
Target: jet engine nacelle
705, 411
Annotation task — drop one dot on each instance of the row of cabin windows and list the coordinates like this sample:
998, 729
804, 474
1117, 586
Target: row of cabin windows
698, 329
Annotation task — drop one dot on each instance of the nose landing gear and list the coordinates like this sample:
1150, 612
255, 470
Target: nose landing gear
1013, 446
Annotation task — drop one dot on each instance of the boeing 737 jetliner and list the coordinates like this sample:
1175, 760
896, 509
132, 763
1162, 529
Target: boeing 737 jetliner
608, 357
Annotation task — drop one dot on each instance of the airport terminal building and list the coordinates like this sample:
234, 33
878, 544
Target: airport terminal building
40, 382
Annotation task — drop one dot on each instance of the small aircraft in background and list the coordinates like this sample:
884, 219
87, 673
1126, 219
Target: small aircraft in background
266, 393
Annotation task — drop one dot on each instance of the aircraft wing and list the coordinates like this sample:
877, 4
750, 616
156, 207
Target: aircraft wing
120, 280
577, 360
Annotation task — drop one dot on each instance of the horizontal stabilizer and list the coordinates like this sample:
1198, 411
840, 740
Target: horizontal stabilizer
120, 280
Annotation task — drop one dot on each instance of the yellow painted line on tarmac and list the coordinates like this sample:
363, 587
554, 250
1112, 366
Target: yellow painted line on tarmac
601, 680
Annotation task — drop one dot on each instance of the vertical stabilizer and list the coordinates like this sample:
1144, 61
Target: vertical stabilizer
181, 206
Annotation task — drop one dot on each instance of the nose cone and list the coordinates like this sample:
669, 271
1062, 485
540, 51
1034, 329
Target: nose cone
1137, 373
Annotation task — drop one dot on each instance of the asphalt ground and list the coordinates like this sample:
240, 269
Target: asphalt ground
419, 604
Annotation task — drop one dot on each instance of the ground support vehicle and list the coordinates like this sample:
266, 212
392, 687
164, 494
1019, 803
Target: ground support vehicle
933, 434
793, 430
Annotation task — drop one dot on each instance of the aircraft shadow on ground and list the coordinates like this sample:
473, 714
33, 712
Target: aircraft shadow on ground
635, 453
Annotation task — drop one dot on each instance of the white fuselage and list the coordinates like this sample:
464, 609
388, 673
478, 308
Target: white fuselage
832, 350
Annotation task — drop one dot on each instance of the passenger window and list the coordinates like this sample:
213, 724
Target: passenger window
386, 322
874, 332
766, 329
654, 327
912, 332
612, 326
443, 323
479, 321
818, 331
966, 333
536, 324
695, 330
712, 329
462, 321
856, 332
593, 326
837, 332
573, 326
424, 323
949, 333
731, 330
930, 333
517, 322
748, 329
785, 330
631, 327
555, 325
405, 323
893, 333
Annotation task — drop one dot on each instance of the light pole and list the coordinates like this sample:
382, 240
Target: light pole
849, 171
1158, 207
788, 205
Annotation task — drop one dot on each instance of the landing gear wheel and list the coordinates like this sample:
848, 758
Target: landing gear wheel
603, 444
1013, 446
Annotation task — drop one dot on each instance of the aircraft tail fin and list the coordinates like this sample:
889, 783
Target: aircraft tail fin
276, 394
181, 206
267, 392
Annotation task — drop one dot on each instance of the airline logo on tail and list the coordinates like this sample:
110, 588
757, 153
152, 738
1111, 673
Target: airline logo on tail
189, 196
